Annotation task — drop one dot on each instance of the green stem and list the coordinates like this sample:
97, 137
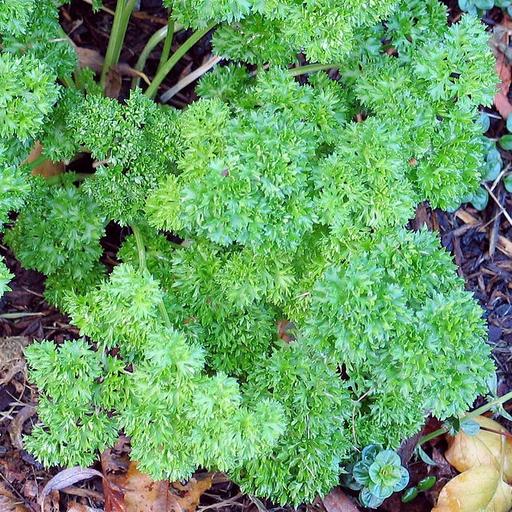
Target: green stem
170, 63
141, 250
473, 414
312, 68
166, 51
432, 435
164, 314
488, 406
41, 159
156, 38
124, 9
68, 82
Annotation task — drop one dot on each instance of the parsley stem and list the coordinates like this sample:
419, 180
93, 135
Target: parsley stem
41, 159
165, 33
191, 77
174, 59
312, 68
489, 405
154, 40
166, 51
141, 250
124, 9
473, 414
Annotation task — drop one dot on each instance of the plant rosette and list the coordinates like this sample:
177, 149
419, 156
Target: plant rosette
379, 474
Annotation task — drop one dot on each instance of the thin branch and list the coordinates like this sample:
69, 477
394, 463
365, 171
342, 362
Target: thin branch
191, 77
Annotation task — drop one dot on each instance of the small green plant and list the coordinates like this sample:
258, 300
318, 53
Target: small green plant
266, 200
378, 475
478, 6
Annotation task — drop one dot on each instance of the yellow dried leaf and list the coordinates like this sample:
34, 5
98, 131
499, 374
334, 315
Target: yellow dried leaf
480, 489
485, 449
47, 169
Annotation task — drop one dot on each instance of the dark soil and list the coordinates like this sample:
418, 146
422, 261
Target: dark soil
473, 238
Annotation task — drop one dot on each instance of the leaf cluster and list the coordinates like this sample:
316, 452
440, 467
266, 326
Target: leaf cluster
276, 31
378, 475
33, 54
208, 414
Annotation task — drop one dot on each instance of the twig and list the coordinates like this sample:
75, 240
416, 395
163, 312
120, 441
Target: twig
495, 199
191, 77
223, 503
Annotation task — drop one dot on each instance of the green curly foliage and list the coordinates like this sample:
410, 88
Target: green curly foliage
252, 185
33, 54
25, 83
35, 31
269, 201
130, 141
198, 306
15, 16
5, 278
59, 231
305, 462
396, 316
133, 312
15, 188
435, 91
276, 31
58, 286
73, 425
58, 138
206, 414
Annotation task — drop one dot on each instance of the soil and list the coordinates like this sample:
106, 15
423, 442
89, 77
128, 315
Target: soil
477, 240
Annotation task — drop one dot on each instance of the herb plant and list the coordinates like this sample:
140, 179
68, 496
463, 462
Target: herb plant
268, 201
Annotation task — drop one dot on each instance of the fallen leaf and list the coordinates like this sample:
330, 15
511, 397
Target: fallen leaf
66, 478
11, 357
88, 58
48, 168
500, 43
16, 425
338, 501
113, 83
11, 349
191, 492
480, 489
487, 448
135, 492
9, 502
140, 492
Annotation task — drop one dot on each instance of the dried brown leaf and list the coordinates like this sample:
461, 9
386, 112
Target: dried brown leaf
501, 43
191, 493
66, 478
136, 492
487, 448
88, 58
48, 168
480, 489
338, 501
16, 425
11, 357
